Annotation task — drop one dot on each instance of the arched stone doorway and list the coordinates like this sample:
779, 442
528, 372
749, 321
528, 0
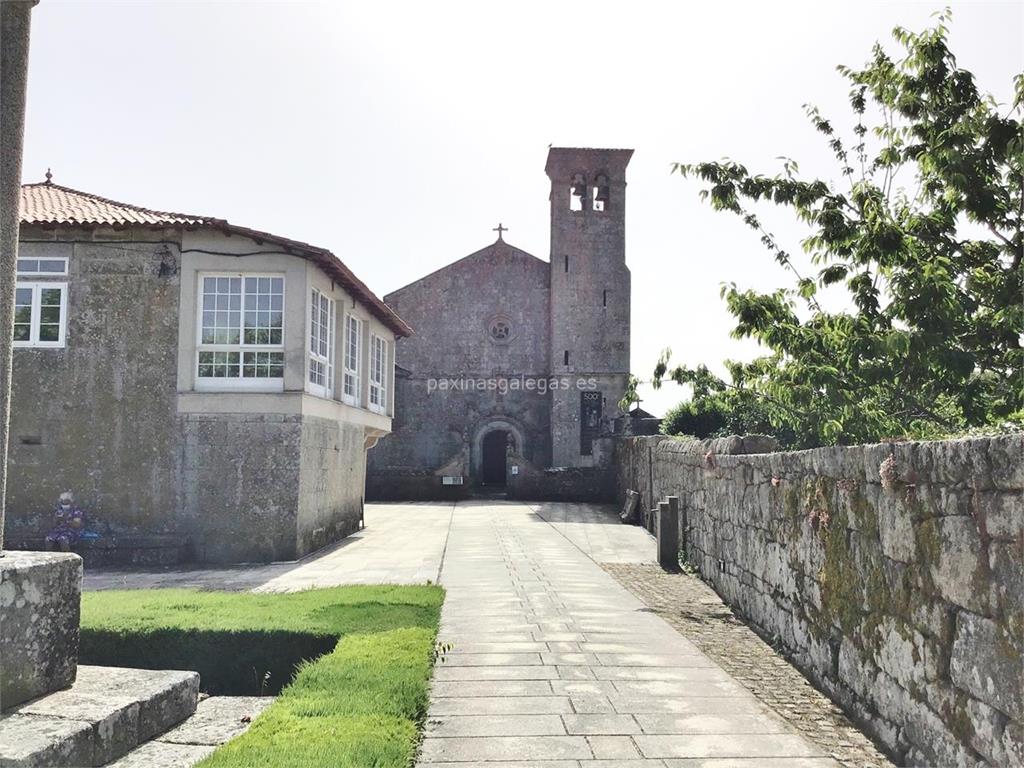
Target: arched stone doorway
491, 440
492, 458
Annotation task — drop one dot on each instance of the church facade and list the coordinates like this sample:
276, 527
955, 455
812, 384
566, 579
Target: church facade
516, 365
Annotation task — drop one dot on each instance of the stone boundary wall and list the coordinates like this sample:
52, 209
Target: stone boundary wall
890, 574
591, 484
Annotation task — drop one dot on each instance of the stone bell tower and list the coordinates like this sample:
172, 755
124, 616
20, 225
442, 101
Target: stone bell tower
590, 296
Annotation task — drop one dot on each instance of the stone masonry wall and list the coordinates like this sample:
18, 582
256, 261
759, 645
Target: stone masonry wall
96, 416
332, 468
890, 574
240, 485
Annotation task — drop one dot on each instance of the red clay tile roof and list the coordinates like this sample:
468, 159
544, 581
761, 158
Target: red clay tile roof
51, 204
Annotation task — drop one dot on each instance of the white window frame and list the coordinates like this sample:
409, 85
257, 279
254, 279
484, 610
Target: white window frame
378, 374
350, 373
239, 383
315, 357
62, 273
33, 340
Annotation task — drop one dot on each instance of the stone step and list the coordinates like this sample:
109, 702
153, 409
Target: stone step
106, 713
217, 720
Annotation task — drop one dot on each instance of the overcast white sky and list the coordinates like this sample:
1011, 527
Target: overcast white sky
399, 134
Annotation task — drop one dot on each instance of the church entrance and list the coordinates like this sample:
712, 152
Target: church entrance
492, 464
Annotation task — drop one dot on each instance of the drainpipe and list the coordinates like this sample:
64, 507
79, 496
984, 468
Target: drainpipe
15, 19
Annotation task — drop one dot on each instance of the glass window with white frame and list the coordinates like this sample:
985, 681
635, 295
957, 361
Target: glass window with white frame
241, 332
378, 374
48, 267
40, 314
321, 344
350, 384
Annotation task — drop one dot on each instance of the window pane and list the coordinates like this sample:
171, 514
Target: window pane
22, 314
314, 331
263, 365
28, 265
49, 333
58, 266
220, 324
49, 297
218, 364
49, 315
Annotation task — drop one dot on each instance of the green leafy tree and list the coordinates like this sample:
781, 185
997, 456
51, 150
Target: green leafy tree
922, 231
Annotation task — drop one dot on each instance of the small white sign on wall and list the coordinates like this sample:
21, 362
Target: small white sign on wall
451, 480
515, 469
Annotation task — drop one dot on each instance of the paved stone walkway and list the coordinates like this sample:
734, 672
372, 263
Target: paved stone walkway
556, 665
698, 613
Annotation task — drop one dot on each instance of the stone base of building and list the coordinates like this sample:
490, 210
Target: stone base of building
413, 485
116, 551
40, 600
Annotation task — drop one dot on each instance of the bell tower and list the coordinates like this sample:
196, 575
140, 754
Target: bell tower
590, 296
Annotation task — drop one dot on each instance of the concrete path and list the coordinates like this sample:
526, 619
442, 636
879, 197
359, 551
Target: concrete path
556, 665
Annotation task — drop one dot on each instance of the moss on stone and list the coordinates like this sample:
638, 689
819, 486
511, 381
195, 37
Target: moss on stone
841, 594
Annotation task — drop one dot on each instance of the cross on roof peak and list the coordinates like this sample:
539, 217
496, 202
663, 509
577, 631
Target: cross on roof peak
499, 229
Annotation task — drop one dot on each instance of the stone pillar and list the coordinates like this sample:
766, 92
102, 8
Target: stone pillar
668, 533
15, 18
40, 592
40, 600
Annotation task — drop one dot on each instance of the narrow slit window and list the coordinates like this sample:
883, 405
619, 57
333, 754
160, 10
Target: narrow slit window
566, 357
567, 263
604, 298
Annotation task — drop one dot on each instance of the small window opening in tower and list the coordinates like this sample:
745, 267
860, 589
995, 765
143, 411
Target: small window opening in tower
567, 263
566, 357
600, 193
604, 298
576, 192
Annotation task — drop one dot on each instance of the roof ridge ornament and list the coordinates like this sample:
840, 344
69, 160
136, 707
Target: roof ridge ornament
499, 229
49, 177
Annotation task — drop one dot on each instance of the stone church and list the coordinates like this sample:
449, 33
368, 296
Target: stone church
516, 365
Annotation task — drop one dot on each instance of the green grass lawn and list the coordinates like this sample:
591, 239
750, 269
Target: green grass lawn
360, 704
